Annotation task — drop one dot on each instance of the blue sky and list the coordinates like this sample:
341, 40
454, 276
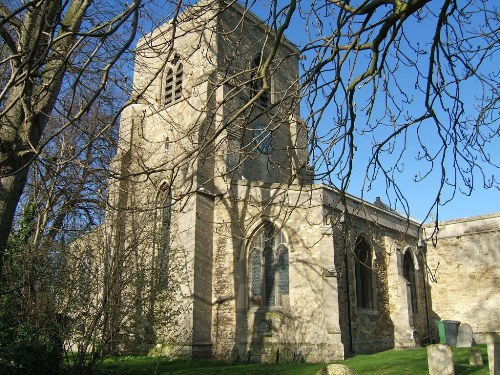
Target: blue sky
419, 195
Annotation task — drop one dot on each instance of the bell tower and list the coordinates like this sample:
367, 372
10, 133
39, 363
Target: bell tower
207, 116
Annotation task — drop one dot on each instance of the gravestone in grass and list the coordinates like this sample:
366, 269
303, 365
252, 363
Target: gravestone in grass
440, 360
336, 369
464, 336
475, 357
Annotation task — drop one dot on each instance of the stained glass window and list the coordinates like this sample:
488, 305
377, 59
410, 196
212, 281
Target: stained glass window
165, 201
283, 280
269, 277
268, 268
255, 277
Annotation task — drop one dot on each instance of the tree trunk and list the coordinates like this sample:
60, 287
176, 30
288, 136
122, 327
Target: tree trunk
11, 189
32, 99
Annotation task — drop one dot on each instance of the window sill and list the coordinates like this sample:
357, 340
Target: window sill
173, 103
254, 309
360, 311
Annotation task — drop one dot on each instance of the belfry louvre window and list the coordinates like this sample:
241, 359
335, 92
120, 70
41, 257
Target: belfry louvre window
257, 83
173, 81
268, 268
364, 274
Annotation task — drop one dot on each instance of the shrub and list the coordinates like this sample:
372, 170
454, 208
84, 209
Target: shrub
24, 348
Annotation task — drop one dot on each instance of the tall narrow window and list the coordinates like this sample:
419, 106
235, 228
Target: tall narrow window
283, 279
165, 202
169, 86
269, 277
178, 82
173, 81
364, 274
409, 275
257, 82
255, 266
268, 268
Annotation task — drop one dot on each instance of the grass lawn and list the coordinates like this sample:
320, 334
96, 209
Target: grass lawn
406, 362
149, 366
413, 362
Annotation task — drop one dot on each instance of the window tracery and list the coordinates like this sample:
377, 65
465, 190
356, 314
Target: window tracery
173, 81
268, 266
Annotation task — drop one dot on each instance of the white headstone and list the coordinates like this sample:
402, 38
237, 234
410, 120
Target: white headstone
336, 369
440, 360
464, 336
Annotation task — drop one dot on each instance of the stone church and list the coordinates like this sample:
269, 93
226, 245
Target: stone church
248, 258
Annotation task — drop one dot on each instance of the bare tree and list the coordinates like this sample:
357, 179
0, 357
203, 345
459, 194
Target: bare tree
360, 57
48, 48
64, 199
417, 79
363, 69
62, 267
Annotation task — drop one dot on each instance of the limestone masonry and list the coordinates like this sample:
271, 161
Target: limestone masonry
248, 258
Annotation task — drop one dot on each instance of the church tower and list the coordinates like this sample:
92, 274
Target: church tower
208, 118
225, 247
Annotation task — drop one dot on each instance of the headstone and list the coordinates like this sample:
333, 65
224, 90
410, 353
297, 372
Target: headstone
493, 342
475, 357
464, 336
336, 369
440, 360
451, 331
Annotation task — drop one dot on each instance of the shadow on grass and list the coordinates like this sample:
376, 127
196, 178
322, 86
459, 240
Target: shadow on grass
391, 362
159, 366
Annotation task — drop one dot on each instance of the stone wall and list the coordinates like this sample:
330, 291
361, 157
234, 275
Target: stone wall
298, 331
315, 326
464, 272
223, 188
387, 324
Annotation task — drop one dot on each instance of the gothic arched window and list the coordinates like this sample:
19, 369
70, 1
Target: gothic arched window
364, 274
257, 83
409, 275
173, 81
268, 268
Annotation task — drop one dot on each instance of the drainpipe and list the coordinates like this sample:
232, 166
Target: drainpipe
422, 247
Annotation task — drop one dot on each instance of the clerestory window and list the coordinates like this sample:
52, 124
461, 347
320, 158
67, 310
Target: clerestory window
364, 274
268, 271
173, 81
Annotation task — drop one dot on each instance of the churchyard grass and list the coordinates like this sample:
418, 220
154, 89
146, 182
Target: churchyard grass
413, 362
392, 362
149, 366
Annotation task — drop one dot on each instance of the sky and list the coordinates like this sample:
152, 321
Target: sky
420, 195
